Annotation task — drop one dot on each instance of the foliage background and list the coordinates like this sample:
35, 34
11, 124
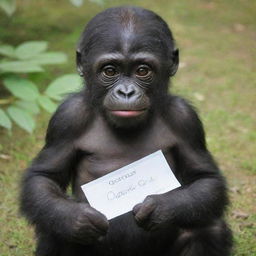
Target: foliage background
217, 74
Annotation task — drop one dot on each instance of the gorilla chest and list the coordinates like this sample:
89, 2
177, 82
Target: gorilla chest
104, 151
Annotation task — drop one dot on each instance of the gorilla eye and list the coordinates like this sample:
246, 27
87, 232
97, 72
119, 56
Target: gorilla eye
143, 71
110, 71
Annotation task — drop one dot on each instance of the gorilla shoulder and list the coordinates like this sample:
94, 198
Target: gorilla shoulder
69, 119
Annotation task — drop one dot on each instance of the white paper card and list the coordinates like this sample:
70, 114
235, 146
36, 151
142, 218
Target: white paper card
119, 191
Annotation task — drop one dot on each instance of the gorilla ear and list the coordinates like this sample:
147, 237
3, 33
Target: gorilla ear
175, 62
79, 62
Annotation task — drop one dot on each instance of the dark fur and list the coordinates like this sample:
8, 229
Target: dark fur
85, 141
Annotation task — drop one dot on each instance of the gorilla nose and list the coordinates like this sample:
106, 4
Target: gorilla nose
126, 92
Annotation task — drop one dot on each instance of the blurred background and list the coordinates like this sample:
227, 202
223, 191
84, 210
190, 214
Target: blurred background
217, 41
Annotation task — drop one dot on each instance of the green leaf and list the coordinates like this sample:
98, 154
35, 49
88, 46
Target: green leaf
64, 85
77, 3
47, 104
19, 67
21, 88
7, 50
5, 120
29, 106
49, 58
100, 2
22, 118
9, 6
29, 49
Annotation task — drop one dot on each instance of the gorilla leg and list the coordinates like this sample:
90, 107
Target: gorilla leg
51, 246
214, 240
46, 245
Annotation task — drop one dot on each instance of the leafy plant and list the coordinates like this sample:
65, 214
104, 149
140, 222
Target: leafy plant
24, 100
28, 57
79, 3
9, 6
27, 100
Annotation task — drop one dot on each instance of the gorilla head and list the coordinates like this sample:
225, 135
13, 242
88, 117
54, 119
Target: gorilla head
127, 56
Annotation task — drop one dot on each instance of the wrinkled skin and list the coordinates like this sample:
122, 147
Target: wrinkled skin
126, 56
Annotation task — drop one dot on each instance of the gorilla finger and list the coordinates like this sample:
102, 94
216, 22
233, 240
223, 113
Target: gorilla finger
98, 220
136, 208
145, 210
152, 226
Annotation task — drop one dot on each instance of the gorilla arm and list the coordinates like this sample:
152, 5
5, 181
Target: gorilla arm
202, 196
43, 197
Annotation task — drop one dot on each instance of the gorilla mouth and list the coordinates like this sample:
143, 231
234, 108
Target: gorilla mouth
127, 113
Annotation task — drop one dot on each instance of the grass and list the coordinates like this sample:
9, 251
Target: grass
217, 74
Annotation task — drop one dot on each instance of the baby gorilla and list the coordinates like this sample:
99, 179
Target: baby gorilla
126, 56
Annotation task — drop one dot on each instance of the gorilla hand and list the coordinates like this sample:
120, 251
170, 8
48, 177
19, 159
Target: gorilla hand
87, 225
153, 212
